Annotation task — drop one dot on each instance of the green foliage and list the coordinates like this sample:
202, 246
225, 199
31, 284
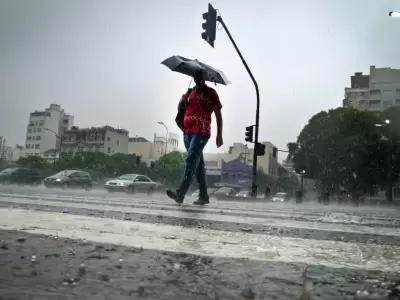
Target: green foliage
35, 162
343, 147
167, 169
288, 182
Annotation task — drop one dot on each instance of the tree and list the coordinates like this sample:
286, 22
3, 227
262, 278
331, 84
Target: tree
342, 148
35, 162
169, 168
288, 182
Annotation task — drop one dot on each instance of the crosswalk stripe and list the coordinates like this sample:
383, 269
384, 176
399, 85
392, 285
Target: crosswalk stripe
200, 242
180, 212
268, 209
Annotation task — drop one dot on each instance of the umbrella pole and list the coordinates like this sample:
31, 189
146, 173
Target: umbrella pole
254, 181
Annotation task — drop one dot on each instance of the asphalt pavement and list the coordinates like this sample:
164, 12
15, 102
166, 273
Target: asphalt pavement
58, 244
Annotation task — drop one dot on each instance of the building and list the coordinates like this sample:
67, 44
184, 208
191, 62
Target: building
160, 147
4, 150
238, 173
17, 152
376, 91
141, 147
105, 139
267, 162
45, 129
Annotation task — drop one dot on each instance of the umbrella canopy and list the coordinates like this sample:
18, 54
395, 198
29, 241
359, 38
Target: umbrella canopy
189, 67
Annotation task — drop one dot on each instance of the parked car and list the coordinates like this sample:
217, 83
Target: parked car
131, 183
280, 197
70, 179
243, 194
210, 192
224, 193
20, 176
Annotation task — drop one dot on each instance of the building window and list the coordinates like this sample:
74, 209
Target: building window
387, 94
29, 130
374, 103
39, 130
109, 150
31, 124
28, 138
34, 129
41, 124
398, 101
38, 138
117, 142
37, 146
27, 146
108, 139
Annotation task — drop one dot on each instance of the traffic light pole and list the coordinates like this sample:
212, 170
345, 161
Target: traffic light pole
254, 181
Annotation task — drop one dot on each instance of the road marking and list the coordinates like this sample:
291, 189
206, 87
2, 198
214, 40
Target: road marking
181, 213
203, 241
267, 211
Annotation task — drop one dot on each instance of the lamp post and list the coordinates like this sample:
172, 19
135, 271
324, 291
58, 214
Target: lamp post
166, 137
389, 189
55, 149
302, 182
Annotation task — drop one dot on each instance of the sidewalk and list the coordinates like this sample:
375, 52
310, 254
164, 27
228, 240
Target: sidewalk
39, 267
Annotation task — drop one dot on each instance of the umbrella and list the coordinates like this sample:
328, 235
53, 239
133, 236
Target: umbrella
188, 67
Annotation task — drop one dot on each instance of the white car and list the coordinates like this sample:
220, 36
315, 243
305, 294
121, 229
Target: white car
243, 194
131, 183
280, 197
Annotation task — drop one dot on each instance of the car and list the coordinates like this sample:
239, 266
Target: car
131, 183
210, 192
70, 179
224, 193
243, 194
280, 197
20, 176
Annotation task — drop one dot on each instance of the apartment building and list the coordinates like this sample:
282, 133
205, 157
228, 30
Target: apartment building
163, 144
141, 147
45, 128
376, 91
267, 162
105, 139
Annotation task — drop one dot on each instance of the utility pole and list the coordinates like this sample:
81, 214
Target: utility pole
210, 35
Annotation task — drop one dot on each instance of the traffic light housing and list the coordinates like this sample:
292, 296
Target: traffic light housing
274, 152
210, 25
249, 134
259, 149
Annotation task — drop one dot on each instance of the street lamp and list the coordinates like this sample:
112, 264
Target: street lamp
55, 149
302, 182
394, 14
166, 137
389, 191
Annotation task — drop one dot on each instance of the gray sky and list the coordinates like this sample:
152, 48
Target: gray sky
101, 60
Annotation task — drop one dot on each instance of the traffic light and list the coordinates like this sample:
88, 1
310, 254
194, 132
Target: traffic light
249, 134
274, 152
259, 149
210, 25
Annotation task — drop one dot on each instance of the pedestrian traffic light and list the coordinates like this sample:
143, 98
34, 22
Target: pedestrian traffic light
249, 134
274, 152
210, 25
259, 149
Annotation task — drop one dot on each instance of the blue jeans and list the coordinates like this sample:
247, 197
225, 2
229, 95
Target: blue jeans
194, 144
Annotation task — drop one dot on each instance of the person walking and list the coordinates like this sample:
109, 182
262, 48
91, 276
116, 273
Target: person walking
198, 104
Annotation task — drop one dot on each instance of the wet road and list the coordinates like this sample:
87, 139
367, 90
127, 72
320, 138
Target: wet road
236, 250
